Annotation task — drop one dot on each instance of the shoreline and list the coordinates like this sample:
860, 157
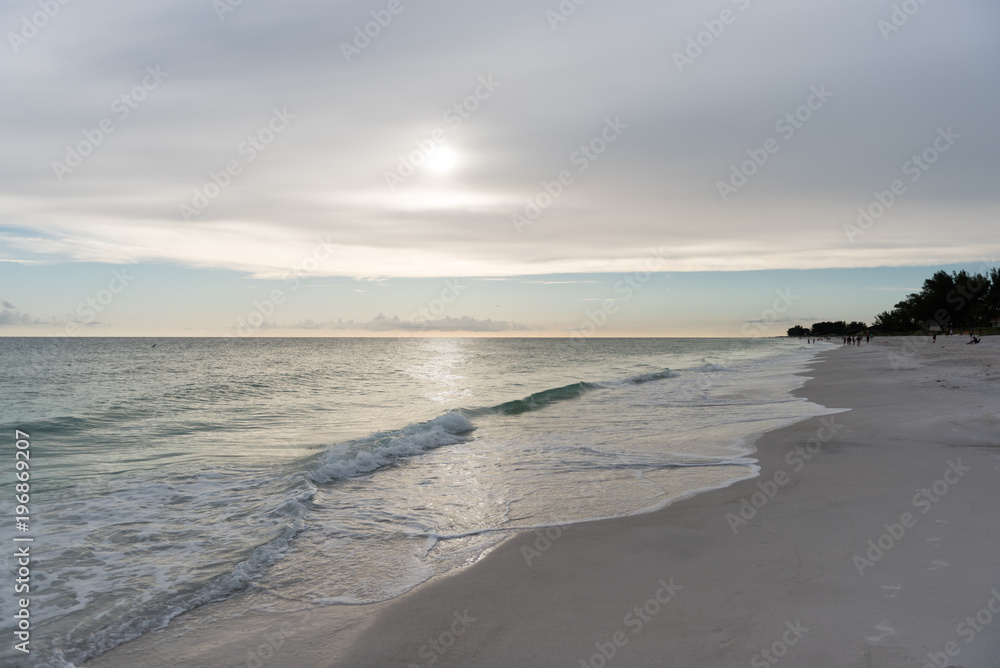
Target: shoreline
717, 578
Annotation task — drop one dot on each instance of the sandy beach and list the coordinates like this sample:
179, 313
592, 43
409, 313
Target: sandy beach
870, 538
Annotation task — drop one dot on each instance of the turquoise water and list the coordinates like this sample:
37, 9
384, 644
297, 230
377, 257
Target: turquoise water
338, 471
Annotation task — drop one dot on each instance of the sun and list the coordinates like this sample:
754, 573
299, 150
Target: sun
442, 160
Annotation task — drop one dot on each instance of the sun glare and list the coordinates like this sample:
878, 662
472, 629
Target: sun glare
442, 160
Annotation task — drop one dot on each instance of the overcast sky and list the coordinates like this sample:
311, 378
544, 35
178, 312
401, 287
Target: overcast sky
217, 150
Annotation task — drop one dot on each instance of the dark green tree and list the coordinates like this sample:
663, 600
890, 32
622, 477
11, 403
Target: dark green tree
958, 300
838, 328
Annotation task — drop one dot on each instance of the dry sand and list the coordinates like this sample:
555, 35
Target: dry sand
871, 538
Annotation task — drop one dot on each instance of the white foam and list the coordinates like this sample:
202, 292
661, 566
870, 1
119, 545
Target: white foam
382, 449
122, 561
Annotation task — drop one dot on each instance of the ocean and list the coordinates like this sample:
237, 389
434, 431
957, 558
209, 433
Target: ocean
169, 473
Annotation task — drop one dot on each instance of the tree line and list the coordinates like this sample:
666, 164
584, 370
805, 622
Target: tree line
958, 301
838, 328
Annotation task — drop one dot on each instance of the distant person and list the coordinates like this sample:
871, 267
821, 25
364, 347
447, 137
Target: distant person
975, 339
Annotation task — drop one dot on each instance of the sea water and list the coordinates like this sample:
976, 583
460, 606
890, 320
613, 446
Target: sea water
312, 472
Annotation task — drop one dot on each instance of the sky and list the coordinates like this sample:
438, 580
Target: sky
422, 168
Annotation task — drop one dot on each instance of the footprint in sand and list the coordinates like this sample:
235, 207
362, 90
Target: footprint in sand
889, 591
935, 565
886, 631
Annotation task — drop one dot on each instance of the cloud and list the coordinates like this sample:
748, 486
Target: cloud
382, 323
324, 174
11, 315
